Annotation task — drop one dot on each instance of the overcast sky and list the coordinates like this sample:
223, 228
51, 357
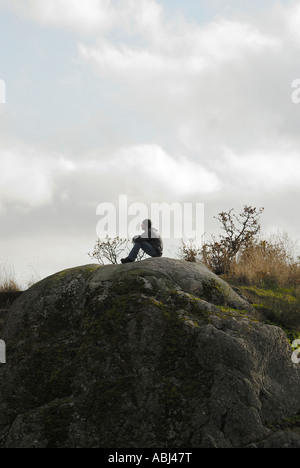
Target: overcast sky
162, 100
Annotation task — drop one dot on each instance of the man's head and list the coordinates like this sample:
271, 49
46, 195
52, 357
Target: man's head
146, 224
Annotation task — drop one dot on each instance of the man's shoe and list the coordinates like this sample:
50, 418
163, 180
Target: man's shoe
126, 260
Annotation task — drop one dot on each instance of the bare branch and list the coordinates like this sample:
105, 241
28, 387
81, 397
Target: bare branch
109, 249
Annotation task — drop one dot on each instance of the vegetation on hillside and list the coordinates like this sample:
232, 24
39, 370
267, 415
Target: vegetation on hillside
266, 271
8, 282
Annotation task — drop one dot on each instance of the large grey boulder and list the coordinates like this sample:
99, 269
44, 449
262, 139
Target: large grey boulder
159, 353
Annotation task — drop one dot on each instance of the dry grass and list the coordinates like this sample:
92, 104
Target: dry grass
268, 262
7, 279
269, 274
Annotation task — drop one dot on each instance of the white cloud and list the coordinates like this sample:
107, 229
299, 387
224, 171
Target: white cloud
182, 52
291, 16
27, 176
91, 16
85, 16
154, 168
261, 171
31, 178
142, 17
201, 81
208, 85
146, 170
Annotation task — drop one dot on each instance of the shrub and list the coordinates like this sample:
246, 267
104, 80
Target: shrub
239, 234
189, 251
108, 249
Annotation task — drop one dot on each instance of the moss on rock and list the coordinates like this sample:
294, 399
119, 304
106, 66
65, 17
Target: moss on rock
159, 353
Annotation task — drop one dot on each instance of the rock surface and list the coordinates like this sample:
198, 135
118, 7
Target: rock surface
160, 353
6, 300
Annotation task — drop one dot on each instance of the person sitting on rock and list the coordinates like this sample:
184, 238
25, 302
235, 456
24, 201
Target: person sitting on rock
149, 241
